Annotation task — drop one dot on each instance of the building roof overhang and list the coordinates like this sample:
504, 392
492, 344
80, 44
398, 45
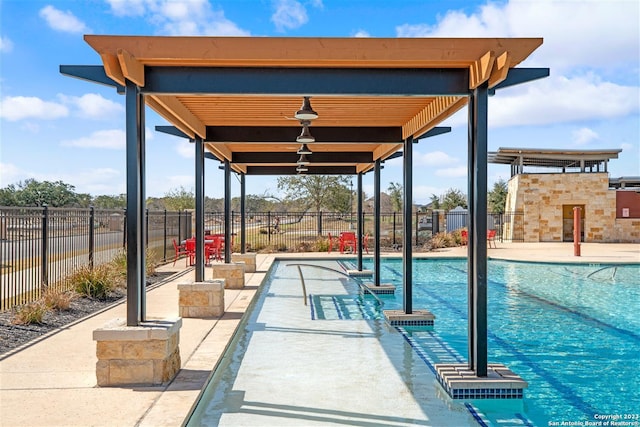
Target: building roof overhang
239, 94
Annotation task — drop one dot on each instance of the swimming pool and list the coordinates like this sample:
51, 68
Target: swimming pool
571, 331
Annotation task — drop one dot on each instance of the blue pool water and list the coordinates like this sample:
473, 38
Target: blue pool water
571, 331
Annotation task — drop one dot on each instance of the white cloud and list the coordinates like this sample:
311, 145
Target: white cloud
10, 174
6, 45
289, 14
434, 158
179, 18
185, 149
361, 33
113, 139
63, 21
584, 136
572, 30
561, 100
94, 106
14, 108
128, 7
456, 172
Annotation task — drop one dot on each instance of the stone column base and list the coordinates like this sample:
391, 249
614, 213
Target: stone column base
461, 383
147, 354
416, 318
233, 274
201, 299
382, 289
249, 260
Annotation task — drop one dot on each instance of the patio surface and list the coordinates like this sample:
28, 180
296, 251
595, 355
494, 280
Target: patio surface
52, 382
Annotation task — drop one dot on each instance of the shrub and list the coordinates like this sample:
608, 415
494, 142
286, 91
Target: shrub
441, 240
321, 245
30, 313
119, 262
60, 301
96, 283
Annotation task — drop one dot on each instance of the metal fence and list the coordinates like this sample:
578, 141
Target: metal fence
41, 247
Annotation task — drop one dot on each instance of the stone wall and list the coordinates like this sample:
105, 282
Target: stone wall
542, 196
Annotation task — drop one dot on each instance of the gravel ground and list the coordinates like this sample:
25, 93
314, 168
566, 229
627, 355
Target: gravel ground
14, 336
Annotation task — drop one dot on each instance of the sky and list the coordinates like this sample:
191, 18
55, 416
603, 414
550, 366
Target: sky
57, 128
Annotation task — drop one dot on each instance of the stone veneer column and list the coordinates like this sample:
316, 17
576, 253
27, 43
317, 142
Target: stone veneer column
249, 260
201, 299
233, 274
147, 354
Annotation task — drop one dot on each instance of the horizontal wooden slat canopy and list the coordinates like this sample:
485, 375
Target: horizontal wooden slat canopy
240, 94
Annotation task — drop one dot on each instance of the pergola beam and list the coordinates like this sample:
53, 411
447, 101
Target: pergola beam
309, 81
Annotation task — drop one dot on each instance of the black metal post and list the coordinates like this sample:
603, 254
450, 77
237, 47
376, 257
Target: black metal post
394, 227
376, 223
164, 236
92, 222
407, 253
45, 246
243, 215
471, 176
479, 227
360, 223
320, 224
199, 169
227, 212
134, 208
142, 197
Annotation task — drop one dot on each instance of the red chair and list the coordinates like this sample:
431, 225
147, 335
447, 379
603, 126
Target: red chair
214, 248
491, 237
180, 250
464, 234
330, 243
365, 243
190, 246
347, 241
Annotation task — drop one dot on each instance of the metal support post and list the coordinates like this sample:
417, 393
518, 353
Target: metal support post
199, 170
407, 253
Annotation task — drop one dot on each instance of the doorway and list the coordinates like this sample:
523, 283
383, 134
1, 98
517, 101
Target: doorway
567, 222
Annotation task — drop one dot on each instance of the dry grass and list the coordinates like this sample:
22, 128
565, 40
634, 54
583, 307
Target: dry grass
30, 313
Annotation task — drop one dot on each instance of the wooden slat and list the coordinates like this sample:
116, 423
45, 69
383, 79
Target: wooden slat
131, 68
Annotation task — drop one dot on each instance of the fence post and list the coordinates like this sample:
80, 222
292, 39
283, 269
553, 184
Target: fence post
146, 227
92, 219
394, 227
435, 222
269, 227
124, 228
319, 223
417, 226
45, 246
164, 236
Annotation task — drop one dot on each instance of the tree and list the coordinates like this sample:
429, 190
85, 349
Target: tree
110, 202
435, 202
497, 197
179, 199
453, 198
314, 191
395, 193
35, 193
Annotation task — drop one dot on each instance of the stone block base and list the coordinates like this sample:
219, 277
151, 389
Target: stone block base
233, 274
201, 299
147, 354
382, 289
417, 318
249, 260
360, 273
461, 383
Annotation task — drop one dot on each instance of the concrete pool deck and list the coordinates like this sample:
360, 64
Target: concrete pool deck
52, 382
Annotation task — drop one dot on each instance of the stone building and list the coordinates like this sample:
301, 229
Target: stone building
546, 185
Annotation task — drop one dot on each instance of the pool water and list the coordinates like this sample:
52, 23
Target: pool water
571, 331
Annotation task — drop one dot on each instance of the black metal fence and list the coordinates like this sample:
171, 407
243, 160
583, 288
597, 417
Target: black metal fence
41, 247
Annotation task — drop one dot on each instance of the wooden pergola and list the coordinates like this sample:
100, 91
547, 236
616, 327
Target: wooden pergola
236, 98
